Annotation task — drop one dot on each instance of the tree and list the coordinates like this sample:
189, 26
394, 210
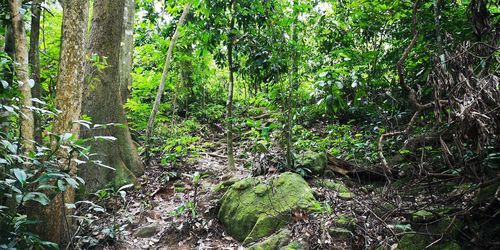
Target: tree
22, 72
34, 61
292, 87
127, 49
229, 105
102, 101
56, 223
166, 68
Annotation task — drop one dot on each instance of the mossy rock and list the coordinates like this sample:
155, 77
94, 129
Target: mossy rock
345, 221
314, 161
340, 233
415, 241
253, 208
343, 191
223, 186
275, 241
295, 245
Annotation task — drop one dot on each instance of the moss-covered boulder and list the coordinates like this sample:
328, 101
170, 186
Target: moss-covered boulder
275, 241
314, 161
254, 208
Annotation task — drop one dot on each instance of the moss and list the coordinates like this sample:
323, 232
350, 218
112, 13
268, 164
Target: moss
275, 241
250, 211
314, 161
422, 215
346, 196
345, 221
333, 185
261, 189
340, 233
123, 176
415, 241
295, 245
223, 186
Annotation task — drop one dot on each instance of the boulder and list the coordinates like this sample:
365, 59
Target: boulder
254, 208
314, 161
146, 231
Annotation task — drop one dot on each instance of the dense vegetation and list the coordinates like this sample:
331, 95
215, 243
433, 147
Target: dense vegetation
147, 123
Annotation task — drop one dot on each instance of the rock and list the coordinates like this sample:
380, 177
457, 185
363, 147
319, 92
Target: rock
178, 183
345, 221
253, 208
295, 245
340, 233
316, 162
223, 186
275, 241
146, 231
343, 191
179, 186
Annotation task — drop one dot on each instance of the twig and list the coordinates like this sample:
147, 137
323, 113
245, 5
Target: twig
376, 216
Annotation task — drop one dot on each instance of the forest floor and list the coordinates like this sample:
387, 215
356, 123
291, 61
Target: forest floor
159, 214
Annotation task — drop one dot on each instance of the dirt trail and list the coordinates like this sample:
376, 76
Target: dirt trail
151, 215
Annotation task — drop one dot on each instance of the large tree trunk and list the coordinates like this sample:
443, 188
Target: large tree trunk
103, 103
127, 49
55, 217
229, 105
22, 72
166, 68
34, 61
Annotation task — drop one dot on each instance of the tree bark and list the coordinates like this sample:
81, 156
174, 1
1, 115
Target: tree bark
166, 68
55, 217
22, 72
229, 105
127, 49
34, 61
292, 86
103, 103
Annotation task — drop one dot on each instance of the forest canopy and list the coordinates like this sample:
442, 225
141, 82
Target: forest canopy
273, 124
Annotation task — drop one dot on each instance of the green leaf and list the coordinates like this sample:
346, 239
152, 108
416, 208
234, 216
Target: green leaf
72, 182
38, 197
20, 175
61, 186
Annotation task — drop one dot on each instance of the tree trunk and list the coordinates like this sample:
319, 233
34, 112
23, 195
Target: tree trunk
166, 67
103, 103
127, 49
34, 61
290, 103
22, 72
229, 105
56, 220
